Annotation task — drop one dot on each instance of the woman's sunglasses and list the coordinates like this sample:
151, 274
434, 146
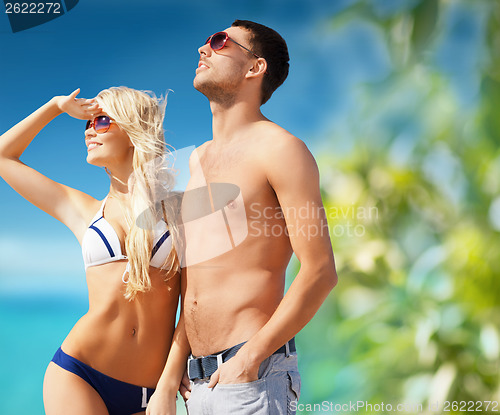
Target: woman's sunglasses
218, 41
101, 124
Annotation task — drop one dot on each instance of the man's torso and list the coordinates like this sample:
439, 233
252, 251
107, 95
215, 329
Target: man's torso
237, 246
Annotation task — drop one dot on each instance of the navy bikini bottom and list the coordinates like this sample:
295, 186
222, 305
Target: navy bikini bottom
121, 398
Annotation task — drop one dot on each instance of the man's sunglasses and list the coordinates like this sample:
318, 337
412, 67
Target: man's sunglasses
101, 124
218, 41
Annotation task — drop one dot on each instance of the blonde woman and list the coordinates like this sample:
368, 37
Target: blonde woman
113, 357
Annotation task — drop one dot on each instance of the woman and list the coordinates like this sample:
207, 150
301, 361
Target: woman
114, 355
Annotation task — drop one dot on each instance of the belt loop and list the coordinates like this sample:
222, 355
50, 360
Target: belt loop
187, 369
287, 349
144, 398
219, 360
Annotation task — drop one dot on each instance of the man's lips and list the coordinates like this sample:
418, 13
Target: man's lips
202, 64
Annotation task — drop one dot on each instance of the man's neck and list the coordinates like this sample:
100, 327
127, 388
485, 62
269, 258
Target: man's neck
229, 122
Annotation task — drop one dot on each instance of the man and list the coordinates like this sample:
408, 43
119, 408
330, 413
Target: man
234, 296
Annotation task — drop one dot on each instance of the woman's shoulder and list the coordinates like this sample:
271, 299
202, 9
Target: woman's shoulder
78, 210
88, 206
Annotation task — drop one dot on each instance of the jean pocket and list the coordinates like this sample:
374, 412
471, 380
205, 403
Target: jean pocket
254, 383
293, 394
249, 398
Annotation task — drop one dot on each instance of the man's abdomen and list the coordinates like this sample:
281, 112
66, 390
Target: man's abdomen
227, 308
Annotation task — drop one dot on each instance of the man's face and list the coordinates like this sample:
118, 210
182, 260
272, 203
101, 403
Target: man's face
220, 73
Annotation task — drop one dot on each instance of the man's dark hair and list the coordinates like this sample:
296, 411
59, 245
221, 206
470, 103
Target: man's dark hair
268, 44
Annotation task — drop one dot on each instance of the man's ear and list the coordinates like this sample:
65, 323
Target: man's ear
259, 68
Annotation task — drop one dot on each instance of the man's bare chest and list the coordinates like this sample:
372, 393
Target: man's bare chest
227, 178
219, 164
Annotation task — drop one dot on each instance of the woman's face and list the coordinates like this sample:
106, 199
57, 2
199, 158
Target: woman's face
110, 149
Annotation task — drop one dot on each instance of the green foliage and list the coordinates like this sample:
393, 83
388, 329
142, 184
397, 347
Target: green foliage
415, 317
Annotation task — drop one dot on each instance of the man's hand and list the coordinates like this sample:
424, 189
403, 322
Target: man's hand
236, 370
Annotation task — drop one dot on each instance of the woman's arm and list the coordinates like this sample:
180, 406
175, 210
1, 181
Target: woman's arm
163, 401
62, 202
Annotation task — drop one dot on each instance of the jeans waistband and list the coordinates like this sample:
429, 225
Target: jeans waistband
205, 366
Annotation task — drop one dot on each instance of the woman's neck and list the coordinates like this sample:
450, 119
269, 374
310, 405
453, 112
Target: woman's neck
121, 178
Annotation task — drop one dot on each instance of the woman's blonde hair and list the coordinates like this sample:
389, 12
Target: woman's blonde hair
140, 114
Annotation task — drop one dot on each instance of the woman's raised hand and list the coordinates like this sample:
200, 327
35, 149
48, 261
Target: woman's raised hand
80, 108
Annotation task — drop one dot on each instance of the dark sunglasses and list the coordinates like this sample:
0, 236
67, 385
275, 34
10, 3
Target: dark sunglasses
101, 124
218, 41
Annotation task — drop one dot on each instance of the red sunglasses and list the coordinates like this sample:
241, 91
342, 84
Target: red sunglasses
218, 41
101, 124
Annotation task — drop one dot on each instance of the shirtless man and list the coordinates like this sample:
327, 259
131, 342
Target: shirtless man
235, 297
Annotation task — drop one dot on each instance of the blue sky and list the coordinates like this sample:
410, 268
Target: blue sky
153, 45
144, 45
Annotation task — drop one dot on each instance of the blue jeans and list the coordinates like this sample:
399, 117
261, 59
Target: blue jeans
272, 394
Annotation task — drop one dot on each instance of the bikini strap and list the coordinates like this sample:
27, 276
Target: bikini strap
127, 271
101, 210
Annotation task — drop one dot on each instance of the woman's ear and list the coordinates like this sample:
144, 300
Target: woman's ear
258, 68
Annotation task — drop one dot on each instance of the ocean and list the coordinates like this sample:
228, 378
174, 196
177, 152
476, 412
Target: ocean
32, 328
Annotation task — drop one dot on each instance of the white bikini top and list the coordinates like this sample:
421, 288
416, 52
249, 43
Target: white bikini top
101, 245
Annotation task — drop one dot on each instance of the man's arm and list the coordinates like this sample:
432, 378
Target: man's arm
293, 174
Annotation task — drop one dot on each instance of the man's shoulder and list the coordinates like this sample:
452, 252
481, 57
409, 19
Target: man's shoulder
273, 129
282, 154
276, 141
